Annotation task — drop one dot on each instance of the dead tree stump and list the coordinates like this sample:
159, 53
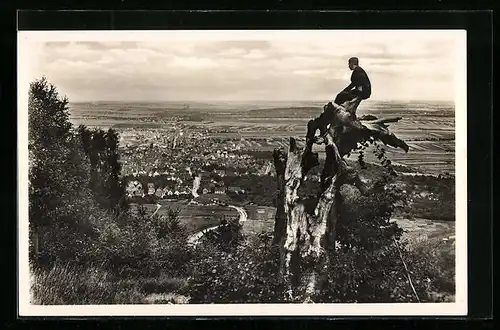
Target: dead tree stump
305, 229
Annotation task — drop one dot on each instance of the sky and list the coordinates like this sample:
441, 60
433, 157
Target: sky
215, 66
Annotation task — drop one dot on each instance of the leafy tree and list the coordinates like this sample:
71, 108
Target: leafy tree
364, 223
169, 226
59, 197
48, 115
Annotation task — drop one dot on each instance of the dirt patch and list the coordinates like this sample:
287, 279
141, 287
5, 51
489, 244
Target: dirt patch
166, 298
426, 229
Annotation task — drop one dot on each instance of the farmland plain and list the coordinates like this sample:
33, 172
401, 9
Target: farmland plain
427, 127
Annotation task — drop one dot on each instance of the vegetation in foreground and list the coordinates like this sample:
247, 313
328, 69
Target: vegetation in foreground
88, 248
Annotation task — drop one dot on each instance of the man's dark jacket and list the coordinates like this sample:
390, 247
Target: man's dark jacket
360, 78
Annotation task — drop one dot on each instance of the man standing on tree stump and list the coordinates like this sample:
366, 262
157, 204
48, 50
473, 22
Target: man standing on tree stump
360, 84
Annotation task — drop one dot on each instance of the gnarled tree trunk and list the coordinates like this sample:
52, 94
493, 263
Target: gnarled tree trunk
304, 228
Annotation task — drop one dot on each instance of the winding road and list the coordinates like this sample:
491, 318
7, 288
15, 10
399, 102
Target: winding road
241, 211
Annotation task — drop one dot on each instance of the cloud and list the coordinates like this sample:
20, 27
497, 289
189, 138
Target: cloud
93, 45
313, 68
244, 46
255, 55
193, 62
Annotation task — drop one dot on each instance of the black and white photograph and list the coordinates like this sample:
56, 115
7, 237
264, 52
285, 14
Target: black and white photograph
242, 172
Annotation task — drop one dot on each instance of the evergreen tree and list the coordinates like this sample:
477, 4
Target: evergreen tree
115, 188
86, 137
106, 184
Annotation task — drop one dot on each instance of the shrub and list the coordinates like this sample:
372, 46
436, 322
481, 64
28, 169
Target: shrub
368, 266
125, 248
142, 246
364, 221
169, 226
358, 275
248, 274
226, 237
432, 263
59, 244
172, 257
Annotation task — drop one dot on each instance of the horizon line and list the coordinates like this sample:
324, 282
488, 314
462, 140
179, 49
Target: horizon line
258, 100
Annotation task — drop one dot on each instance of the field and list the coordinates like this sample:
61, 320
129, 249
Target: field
194, 217
428, 128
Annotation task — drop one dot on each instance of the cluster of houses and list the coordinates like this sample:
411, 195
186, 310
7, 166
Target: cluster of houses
138, 162
224, 158
221, 190
135, 189
164, 170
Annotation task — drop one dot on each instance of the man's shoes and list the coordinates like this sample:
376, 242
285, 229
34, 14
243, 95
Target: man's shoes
320, 139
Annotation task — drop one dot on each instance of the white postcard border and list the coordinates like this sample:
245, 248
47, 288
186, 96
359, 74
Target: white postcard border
459, 307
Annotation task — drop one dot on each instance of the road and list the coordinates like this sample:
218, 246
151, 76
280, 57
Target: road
241, 211
194, 238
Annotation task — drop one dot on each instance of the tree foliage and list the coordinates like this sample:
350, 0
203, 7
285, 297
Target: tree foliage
245, 274
59, 198
65, 213
365, 268
226, 237
102, 149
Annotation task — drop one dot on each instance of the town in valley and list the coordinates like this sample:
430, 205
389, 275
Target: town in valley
204, 160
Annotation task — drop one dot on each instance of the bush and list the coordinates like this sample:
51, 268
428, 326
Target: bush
59, 244
172, 257
169, 226
124, 249
226, 237
141, 246
367, 266
432, 263
358, 275
365, 221
248, 274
